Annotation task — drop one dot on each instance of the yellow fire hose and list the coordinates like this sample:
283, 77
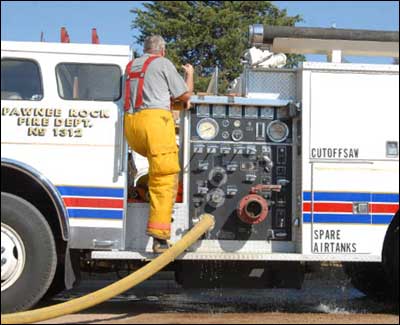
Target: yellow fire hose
99, 296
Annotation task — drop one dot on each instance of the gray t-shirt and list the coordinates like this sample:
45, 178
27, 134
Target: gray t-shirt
161, 81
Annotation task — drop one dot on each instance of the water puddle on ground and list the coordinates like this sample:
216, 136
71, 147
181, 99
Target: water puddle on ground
328, 295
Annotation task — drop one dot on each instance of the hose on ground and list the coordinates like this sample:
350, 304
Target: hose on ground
99, 296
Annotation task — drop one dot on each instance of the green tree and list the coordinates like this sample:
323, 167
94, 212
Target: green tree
208, 33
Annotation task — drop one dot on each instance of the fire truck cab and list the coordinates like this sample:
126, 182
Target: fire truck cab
301, 166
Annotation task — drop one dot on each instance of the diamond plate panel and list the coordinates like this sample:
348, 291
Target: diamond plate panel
136, 224
274, 84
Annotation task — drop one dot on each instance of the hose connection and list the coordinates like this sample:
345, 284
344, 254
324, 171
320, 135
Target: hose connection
253, 209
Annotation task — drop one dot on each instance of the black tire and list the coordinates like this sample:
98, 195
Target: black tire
390, 256
369, 278
40, 251
395, 268
57, 285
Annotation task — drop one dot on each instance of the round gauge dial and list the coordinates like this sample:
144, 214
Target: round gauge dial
225, 123
237, 135
207, 128
225, 135
277, 131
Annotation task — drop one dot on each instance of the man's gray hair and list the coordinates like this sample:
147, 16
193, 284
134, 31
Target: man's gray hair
154, 44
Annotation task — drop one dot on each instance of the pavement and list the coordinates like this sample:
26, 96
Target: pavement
327, 297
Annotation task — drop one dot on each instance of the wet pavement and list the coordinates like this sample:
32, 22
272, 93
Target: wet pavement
326, 297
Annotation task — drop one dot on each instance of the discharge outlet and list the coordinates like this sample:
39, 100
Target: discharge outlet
253, 209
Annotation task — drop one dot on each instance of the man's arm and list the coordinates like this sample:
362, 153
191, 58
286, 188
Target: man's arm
185, 97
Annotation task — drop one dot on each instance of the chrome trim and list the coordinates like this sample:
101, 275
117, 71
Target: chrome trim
13, 256
211, 121
389, 146
256, 34
50, 189
186, 143
269, 127
229, 100
243, 143
121, 143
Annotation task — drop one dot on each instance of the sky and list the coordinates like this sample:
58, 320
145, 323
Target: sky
25, 20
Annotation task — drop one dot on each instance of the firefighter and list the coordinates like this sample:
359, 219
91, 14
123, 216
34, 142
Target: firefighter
152, 81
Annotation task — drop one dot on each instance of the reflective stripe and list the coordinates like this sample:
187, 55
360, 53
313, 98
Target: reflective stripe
96, 214
352, 197
91, 191
159, 225
375, 219
93, 203
383, 208
348, 207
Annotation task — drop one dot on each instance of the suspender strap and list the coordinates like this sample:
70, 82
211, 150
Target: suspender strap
136, 75
139, 94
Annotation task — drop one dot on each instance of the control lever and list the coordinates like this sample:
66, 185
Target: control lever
265, 188
202, 165
283, 182
268, 163
251, 150
202, 190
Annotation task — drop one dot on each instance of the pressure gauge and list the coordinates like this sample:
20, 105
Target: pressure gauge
207, 128
225, 135
278, 131
236, 124
225, 123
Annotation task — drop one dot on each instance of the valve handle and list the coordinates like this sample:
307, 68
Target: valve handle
262, 188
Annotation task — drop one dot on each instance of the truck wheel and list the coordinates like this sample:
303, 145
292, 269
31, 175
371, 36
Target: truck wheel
369, 278
28, 254
390, 256
395, 267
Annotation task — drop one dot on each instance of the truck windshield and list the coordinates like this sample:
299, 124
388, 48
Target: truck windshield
20, 80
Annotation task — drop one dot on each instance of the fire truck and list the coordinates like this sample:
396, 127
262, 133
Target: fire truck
298, 166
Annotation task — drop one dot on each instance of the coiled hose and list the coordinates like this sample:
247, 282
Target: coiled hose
99, 296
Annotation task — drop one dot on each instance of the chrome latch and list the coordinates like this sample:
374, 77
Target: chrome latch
392, 149
360, 208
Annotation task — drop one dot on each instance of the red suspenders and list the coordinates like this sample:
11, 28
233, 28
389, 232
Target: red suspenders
136, 75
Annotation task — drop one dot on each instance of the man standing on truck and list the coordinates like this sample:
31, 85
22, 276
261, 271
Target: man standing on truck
150, 130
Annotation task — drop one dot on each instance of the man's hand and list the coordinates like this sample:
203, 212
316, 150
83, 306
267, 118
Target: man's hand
187, 105
188, 69
185, 98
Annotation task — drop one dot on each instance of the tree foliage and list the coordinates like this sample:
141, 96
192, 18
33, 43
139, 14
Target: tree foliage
208, 33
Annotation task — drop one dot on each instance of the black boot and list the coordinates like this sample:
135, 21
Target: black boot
160, 245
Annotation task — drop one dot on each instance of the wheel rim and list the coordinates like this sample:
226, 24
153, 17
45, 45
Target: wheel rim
12, 256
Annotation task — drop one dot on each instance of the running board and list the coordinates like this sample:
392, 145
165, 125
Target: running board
127, 255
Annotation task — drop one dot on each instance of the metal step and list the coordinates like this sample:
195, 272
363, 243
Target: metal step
127, 255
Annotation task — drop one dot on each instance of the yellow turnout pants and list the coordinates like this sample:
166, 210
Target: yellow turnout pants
151, 133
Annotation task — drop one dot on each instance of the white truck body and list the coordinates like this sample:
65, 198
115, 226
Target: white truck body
345, 147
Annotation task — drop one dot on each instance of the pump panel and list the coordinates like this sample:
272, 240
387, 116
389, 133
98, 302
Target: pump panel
241, 170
